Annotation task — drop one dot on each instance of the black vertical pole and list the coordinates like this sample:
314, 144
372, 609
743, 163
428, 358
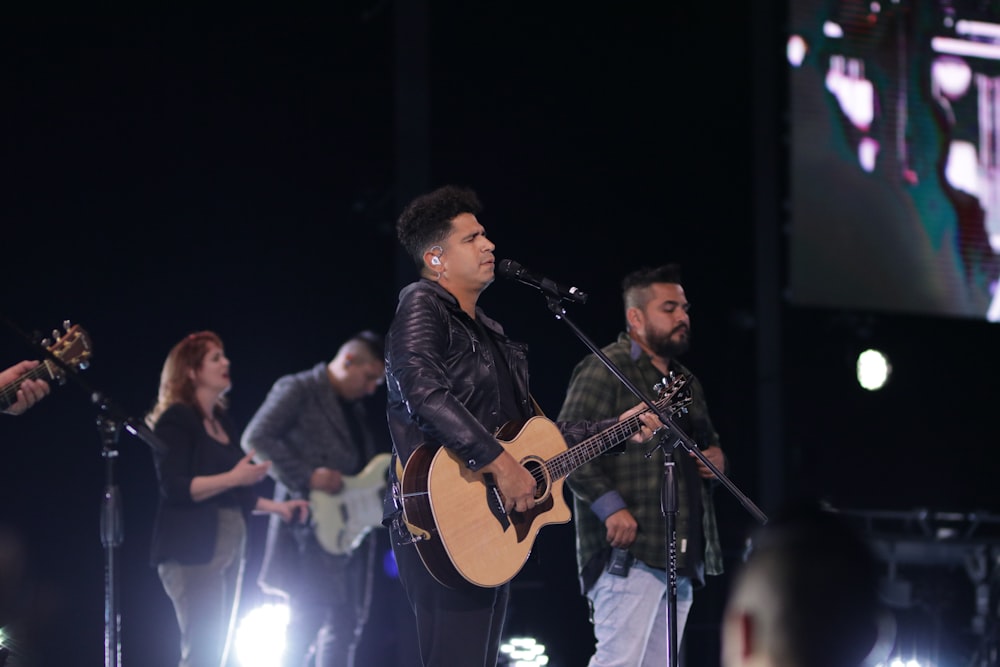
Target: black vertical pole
111, 539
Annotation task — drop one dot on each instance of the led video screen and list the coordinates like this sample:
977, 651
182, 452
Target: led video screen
894, 166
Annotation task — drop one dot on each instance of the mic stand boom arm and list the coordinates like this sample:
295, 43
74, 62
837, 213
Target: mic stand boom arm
669, 490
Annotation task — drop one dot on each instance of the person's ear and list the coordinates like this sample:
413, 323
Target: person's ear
432, 258
737, 638
634, 317
746, 645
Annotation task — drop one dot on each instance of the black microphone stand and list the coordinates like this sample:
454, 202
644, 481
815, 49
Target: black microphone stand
668, 492
109, 423
112, 535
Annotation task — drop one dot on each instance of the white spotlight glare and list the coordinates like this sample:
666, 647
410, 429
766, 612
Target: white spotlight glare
873, 370
523, 652
260, 636
796, 50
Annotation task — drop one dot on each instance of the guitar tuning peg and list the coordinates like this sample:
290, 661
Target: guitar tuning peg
46, 342
66, 325
55, 333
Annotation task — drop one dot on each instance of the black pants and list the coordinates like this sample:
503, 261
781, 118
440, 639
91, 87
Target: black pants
455, 627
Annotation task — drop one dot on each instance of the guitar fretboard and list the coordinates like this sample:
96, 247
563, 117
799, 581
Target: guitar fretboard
8, 393
566, 462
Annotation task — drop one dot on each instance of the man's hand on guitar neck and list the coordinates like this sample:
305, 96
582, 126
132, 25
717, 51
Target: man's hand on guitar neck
29, 392
515, 482
326, 479
649, 423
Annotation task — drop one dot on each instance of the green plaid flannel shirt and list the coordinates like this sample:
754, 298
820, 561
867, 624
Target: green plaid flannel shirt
594, 393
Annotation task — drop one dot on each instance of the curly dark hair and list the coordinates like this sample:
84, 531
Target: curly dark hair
634, 284
427, 219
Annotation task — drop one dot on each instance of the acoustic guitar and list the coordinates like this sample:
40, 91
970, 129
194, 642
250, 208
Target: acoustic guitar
457, 518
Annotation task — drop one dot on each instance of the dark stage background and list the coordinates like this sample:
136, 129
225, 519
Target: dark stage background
175, 173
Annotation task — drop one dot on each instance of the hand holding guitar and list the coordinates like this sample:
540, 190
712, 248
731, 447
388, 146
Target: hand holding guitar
326, 479
24, 384
516, 484
649, 423
29, 392
519, 487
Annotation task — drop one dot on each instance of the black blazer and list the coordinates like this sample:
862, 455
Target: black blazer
185, 530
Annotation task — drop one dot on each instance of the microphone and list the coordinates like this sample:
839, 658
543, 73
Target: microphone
508, 268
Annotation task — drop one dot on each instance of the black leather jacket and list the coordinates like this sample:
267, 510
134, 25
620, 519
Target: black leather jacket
440, 380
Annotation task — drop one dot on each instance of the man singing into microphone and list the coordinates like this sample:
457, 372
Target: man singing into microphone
620, 528
454, 378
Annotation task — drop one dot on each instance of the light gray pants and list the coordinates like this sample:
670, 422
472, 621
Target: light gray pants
206, 596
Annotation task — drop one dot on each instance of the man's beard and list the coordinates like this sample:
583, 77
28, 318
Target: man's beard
665, 345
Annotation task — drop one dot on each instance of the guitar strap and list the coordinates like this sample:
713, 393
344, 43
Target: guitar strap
538, 408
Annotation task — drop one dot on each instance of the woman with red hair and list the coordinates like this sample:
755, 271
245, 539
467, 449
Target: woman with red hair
205, 485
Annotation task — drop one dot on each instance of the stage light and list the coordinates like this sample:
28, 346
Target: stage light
899, 662
796, 50
260, 636
389, 565
523, 652
873, 369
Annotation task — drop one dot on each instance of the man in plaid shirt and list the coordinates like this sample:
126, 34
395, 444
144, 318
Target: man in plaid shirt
617, 496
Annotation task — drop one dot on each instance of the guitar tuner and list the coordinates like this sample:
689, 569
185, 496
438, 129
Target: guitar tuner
73, 348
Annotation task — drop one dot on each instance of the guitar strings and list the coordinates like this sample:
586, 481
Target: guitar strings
565, 462
8, 393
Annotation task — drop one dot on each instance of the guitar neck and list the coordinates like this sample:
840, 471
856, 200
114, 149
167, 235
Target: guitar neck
563, 464
8, 392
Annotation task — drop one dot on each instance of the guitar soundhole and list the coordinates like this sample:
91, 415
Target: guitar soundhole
537, 470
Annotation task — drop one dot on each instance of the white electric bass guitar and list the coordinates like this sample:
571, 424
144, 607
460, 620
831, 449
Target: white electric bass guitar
342, 520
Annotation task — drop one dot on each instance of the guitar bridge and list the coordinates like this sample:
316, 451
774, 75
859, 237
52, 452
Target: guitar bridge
495, 501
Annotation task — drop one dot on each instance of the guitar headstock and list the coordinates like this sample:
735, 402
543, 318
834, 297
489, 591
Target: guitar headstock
675, 392
73, 348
